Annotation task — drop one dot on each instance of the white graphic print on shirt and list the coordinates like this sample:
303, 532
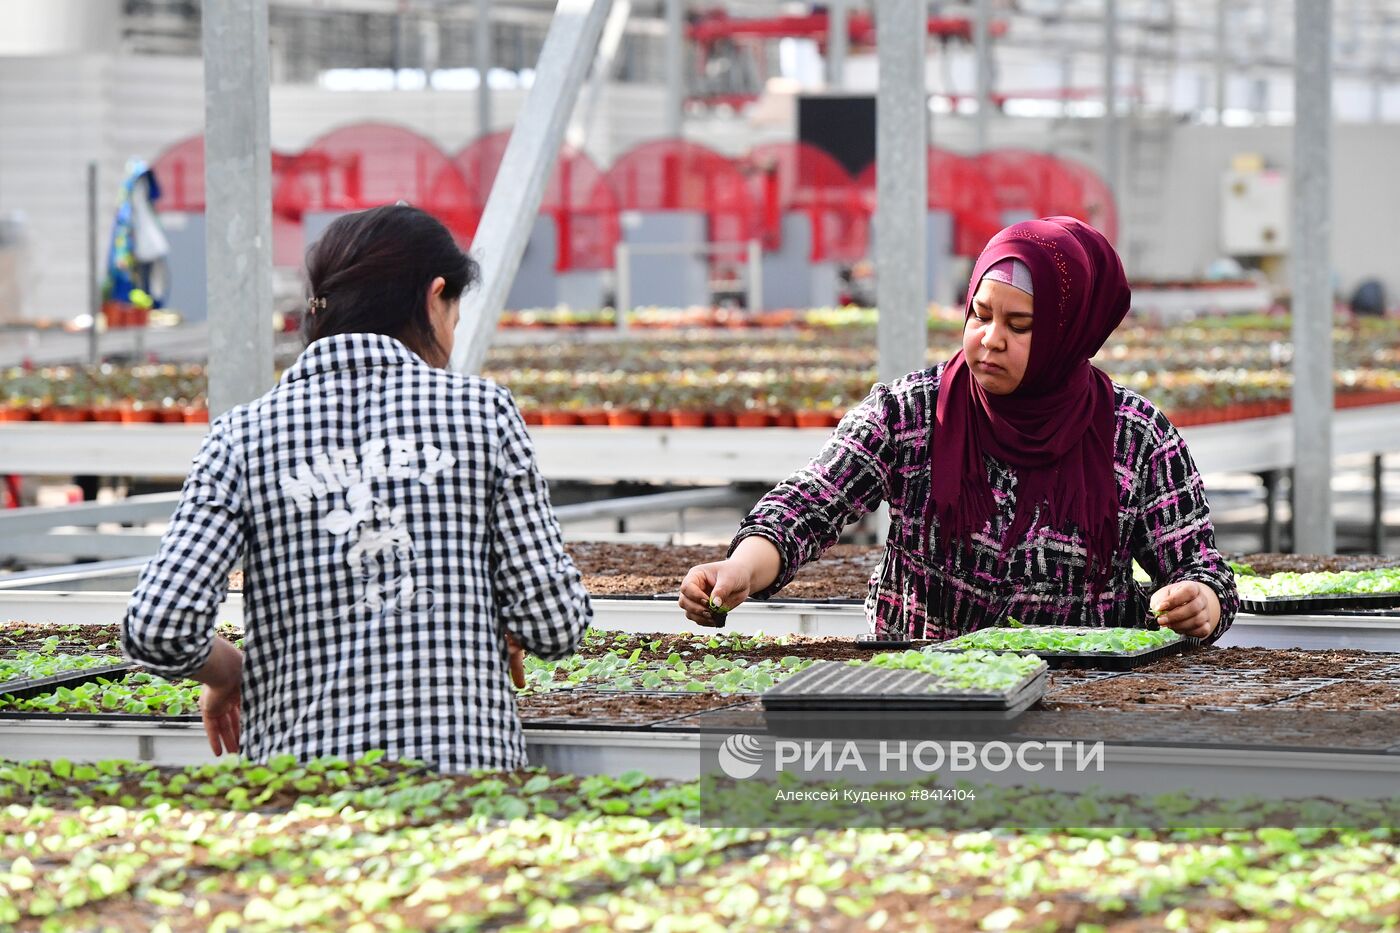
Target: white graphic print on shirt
380, 550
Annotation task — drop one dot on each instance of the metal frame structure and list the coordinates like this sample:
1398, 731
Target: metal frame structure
709, 455
66, 531
677, 756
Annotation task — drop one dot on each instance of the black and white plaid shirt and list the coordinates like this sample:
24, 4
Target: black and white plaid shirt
392, 522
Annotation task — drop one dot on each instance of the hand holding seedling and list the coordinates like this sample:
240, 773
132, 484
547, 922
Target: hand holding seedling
710, 591
1188, 608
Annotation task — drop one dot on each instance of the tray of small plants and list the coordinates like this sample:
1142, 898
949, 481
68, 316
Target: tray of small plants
1317, 592
1114, 649
914, 680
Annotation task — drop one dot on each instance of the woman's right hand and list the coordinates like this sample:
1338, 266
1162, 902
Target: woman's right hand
727, 582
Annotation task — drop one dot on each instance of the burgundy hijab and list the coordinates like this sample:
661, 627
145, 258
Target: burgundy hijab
1056, 429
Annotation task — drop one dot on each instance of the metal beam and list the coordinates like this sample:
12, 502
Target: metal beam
982, 46
675, 69
94, 285
714, 497
238, 198
81, 545
481, 54
1111, 156
604, 66
152, 508
1314, 531
901, 158
837, 43
515, 198
1221, 61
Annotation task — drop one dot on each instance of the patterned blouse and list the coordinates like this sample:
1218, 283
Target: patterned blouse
391, 521
927, 587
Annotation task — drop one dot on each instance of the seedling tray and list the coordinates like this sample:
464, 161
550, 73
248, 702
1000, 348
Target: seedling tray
837, 686
28, 688
636, 721
1097, 660
1320, 605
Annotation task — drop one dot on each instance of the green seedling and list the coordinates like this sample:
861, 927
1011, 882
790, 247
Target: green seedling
718, 611
1341, 583
1057, 640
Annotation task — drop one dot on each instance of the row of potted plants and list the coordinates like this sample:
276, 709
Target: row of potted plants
146, 394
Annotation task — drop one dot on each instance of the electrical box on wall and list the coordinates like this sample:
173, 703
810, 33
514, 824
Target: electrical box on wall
1254, 212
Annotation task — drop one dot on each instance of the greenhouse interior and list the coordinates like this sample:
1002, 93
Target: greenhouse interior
699, 465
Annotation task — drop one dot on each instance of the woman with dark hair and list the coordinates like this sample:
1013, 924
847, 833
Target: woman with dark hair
1021, 481
397, 539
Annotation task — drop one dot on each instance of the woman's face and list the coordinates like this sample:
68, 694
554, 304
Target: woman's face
997, 336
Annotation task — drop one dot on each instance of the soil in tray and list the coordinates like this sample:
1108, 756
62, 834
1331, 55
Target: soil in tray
611, 569
1181, 691
1353, 695
608, 569
74, 639
639, 709
1274, 663
1267, 564
657, 648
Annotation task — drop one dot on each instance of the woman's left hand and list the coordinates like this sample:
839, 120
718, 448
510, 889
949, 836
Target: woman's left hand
1188, 608
517, 661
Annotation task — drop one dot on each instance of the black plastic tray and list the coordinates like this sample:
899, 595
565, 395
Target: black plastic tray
152, 718
1319, 605
32, 687
835, 685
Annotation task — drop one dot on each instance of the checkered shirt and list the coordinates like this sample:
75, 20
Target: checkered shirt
929, 587
392, 522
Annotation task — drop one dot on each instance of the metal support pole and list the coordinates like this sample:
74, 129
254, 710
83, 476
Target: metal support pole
675, 69
755, 277
1110, 97
837, 44
94, 264
1271, 543
1313, 526
515, 198
481, 52
1221, 73
604, 65
622, 272
981, 36
238, 199
1378, 504
901, 158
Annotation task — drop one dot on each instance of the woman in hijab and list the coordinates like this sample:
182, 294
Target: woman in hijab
1021, 481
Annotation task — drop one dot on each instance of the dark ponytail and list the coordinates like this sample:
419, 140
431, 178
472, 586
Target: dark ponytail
370, 271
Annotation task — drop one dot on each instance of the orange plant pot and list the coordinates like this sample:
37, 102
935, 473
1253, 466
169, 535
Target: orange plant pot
687, 419
172, 416
752, 419
558, 419
816, 419
594, 417
785, 419
195, 414
66, 415
625, 418
140, 416
722, 419
658, 419
532, 416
